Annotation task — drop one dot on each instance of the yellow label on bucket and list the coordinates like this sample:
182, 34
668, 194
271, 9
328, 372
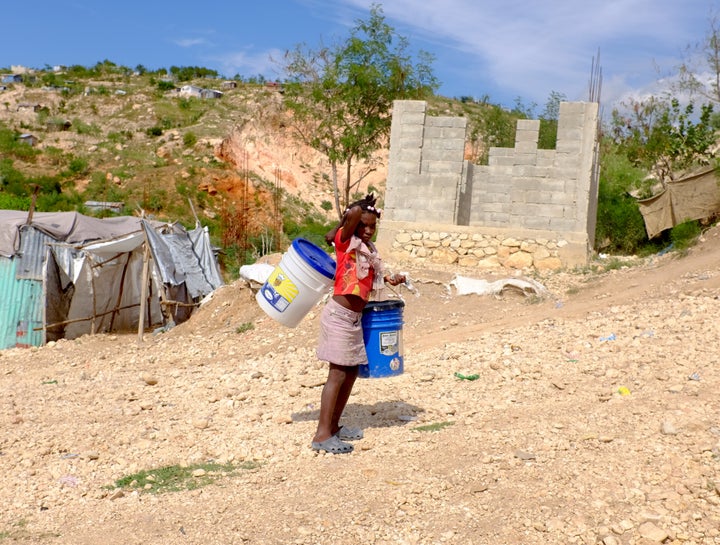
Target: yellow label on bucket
282, 285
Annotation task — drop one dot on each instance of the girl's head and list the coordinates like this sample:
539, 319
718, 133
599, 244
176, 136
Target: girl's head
365, 230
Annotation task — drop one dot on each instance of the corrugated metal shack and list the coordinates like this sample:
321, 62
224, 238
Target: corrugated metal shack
63, 275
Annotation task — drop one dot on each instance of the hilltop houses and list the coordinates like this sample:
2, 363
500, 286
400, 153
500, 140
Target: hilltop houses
198, 92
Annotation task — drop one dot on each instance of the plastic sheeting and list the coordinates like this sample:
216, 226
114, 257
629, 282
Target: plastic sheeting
70, 227
464, 286
185, 257
691, 198
256, 272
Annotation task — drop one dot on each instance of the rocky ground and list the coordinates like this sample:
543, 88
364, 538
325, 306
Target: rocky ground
594, 419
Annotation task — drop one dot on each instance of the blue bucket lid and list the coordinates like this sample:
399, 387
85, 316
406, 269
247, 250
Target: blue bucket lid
388, 304
315, 256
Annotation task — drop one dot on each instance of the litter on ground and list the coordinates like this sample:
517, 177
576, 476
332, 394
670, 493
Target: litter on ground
464, 286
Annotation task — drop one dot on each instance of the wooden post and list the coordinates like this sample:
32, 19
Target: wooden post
143, 291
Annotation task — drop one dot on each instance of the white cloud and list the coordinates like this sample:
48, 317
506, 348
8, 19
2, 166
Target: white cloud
251, 63
531, 48
190, 42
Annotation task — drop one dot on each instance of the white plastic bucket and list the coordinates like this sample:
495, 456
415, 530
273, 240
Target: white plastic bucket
302, 277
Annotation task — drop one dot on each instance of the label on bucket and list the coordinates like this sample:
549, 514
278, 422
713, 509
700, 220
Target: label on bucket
279, 290
389, 343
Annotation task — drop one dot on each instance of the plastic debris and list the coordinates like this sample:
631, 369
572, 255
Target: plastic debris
409, 284
164, 329
666, 249
467, 377
256, 272
610, 337
464, 286
694, 376
69, 480
623, 391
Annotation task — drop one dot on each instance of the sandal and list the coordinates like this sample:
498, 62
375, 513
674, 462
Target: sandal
349, 434
333, 445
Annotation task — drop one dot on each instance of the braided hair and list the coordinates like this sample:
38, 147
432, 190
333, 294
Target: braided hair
367, 204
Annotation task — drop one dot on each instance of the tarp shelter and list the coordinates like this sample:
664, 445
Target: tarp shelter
691, 198
63, 274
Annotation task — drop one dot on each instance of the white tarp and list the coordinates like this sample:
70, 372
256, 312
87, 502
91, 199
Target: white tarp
256, 272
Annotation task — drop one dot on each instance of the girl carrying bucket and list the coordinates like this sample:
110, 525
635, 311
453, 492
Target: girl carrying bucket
358, 271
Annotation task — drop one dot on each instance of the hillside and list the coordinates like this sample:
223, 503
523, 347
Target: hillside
155, 150
152, 144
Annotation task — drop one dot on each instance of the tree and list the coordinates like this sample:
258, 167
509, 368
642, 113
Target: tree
547, 139
664, 138
341, 96
489, 126
699, 73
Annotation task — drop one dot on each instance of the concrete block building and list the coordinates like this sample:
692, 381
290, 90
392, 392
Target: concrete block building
528, 208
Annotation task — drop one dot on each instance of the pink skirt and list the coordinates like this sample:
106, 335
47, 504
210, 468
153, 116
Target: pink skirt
341, 336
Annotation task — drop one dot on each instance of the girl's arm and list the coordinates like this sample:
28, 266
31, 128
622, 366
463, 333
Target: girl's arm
330, 235
349, 222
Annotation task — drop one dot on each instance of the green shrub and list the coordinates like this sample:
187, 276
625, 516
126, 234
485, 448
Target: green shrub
310, 229
11, 179
620, 226
11, 146
685, 234
55, 156
57, 201
101, 189
119, 137
13, 202
189, 139
78, 166
547, 136
246, 326
165, 85
155, 200
84, 128
176, 478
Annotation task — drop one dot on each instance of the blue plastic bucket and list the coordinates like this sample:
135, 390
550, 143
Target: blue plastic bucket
382, 323
303, 276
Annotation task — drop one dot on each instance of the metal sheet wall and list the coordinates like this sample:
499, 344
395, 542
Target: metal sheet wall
21, 309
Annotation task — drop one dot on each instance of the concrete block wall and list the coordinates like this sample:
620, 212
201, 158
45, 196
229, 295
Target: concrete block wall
536, 189
547, 195
425, 165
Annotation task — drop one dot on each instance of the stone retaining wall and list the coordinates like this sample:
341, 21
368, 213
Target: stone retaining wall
466, 247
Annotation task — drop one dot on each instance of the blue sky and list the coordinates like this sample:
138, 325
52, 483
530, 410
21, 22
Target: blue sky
505, 50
